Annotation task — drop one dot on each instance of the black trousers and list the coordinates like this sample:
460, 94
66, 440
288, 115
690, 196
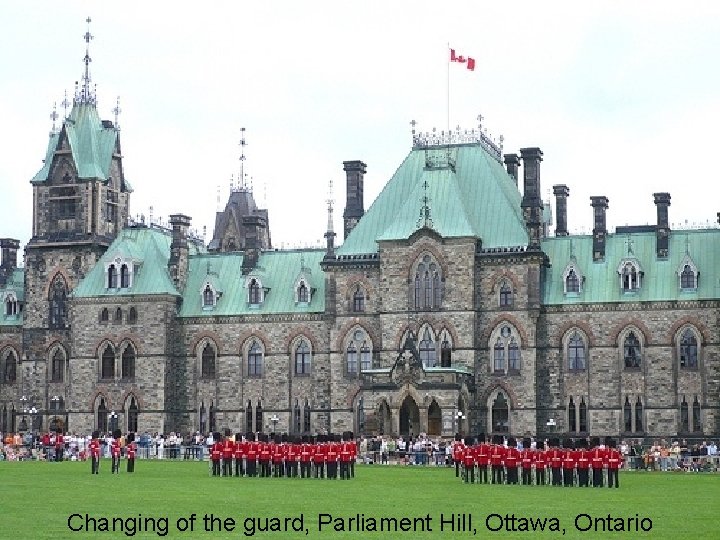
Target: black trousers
540, 476
556, 476
227, 466
319, 470
497, 474
239, 469
216, 467
251, 467
482, 474
569, 477
583, 477
131, 465
613, 478
94, 465
597, 478
469, 474
526, 477
305, 469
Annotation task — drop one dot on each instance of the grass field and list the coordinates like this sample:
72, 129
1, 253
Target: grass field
36, 500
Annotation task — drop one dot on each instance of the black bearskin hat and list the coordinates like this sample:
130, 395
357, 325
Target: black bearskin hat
457, 437
527, 443
512, 442
95, 434
130, 437
117, 433
595, 442
250, 436
238, 437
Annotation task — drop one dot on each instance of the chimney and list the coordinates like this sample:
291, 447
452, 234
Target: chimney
561, 193
9, 248
662, 233
354, 208
600, 205
252, 226
512, 162
531, 203
178, 263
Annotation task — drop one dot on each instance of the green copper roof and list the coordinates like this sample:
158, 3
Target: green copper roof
475, 198
15, 285
91, 144
277, 271
660, 280
149, 251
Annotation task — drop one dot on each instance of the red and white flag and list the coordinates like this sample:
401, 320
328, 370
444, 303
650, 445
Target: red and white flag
469, 62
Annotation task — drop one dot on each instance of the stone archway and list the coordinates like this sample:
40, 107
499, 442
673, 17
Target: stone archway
409, 418
434, 419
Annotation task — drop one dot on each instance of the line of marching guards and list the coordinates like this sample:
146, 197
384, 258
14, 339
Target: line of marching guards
322, 456
580, 463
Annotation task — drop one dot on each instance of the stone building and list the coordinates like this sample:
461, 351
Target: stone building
447, 307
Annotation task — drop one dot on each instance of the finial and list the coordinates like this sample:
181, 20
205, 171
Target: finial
53, 117
330, 234
480, 119
116, 111
687, 244
242, 159
629, 243
413, 123
86, 95
425, 220
65, 104
217, 207
502, 142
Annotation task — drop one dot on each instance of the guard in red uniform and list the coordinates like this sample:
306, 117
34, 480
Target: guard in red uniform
216, 454
497, 460
130, 452
292, 456
555, 458
94, 449
483, 459
264, 455
252, 454
583, 463
228, 452
278, 456
458, 451
306, 453
540, 464
115, 451
332, 455
354, 451
468, 461
614, 461
512, 460
238, 454
319, 456
526, 462
597, 462
568, 463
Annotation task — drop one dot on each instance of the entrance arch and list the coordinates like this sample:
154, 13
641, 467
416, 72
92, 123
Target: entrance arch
434, 419
409, 418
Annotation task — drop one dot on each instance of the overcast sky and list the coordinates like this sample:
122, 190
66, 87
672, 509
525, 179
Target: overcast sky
624, 100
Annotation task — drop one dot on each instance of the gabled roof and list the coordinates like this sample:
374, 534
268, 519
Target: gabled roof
660, 281
277, 272
149, 249
15, 285
91, 142
473, 198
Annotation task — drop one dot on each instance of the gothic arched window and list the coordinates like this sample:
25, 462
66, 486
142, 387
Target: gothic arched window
427, 284
112, 277
208, 362
58, 303
506, 350
576, 352
255, 360
303, 293
9, 374
254, 293
506, 295
208, 296
358, 300
58, 366
302, 358
107, 370
631, 351
124, 277
427, 350
572, 282
128, 363
688, 350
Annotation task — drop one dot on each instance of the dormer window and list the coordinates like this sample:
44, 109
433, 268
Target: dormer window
688, 274
209, 297
255, 292
358, 300
630, 276
303, 293
112, 277
119, 273
572, 279
11, 305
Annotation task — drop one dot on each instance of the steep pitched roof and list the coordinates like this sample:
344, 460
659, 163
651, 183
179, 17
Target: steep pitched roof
473, 197
660, 281
277, 271
149, 250
91, 142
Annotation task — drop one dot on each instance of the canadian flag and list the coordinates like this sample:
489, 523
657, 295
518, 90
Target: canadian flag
469, 62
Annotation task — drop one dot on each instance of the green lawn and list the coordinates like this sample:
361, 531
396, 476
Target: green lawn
36, 500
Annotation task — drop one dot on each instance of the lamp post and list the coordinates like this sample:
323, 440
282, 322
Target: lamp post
54, 408
274, 419
551, 426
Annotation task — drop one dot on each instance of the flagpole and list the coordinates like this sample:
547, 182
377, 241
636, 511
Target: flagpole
447, 53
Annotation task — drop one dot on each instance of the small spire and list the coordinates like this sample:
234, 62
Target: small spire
330, 234
241, 178
54, 117
425, 220
65, 104
687, 244
86, 95
116, 111
480, 118
629, 243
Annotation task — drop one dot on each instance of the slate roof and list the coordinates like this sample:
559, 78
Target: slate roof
474, 198
660, 280
277, 271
